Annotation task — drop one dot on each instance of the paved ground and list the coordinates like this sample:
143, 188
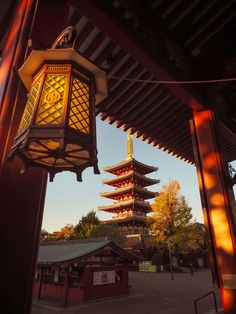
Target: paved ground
150, 293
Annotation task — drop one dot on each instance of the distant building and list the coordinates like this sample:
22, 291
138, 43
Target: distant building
130, 194
82, 269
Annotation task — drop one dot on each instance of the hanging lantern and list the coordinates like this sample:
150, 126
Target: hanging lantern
58, 127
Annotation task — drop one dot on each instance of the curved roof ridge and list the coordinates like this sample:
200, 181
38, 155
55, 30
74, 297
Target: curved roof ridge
127, 188
124, 163
121, 204
129, 174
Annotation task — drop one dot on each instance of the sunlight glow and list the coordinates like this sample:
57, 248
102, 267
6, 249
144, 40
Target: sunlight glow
221, 229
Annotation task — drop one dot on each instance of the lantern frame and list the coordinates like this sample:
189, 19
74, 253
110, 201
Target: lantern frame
69, 142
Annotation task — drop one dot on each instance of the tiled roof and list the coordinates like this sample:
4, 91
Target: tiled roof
142, 191
145, 168
55, 253
123, 204
145, 180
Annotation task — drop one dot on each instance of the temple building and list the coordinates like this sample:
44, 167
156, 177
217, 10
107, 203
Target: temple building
130, 194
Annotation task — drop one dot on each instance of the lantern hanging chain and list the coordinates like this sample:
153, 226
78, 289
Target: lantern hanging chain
225, 80
30, 43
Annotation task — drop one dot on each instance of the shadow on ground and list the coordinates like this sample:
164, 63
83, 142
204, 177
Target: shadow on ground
150, 293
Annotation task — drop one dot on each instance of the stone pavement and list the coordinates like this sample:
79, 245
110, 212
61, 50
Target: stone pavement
150, 293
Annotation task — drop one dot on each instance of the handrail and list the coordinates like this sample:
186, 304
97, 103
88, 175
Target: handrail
203, 296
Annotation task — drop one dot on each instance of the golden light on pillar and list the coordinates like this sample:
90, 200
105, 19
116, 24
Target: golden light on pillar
58, 128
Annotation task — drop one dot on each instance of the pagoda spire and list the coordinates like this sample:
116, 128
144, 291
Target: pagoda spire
130, 150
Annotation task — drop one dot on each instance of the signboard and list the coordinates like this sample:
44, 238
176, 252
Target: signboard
103, 277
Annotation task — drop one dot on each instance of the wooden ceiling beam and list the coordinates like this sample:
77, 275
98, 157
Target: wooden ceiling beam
105, 54
174, 136
157, 104
123, 89
172, 117
135, 104
94, 45
86, 31
122, 103
136, 48
148, 102
167, 103
129, 98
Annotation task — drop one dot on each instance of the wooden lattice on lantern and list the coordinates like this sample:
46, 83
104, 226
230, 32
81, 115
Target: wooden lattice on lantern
57, 130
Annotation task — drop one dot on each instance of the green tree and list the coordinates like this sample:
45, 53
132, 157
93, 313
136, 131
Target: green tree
86, 226
171, 218
111, 231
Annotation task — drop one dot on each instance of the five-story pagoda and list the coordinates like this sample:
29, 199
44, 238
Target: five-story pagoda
130, 194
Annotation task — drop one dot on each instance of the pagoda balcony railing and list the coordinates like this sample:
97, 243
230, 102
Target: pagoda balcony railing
129, 199
134, 230
129, 214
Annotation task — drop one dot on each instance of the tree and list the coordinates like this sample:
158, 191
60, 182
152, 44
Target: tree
66, 233
44, 235
111, 231
86, 226
171, 218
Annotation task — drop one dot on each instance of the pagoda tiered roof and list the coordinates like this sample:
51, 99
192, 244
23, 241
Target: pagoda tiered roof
134, 203
128, 189
131, 174
142, 168
127, 219
130, 193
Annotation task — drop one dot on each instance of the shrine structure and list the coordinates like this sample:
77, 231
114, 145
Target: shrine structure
164, 85
130, 194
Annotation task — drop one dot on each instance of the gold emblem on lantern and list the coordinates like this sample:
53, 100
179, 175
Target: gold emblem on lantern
53, 97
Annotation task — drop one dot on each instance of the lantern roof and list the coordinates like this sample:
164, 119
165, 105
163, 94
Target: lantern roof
38, 57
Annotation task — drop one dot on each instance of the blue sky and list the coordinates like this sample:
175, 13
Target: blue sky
68, 200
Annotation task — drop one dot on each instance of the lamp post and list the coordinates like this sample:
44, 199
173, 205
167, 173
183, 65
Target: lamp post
58, 127
169, 233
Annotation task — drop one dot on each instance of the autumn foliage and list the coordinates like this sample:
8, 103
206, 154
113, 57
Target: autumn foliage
171, 217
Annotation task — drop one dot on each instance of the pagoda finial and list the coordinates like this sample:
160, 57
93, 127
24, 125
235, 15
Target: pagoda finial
130, 150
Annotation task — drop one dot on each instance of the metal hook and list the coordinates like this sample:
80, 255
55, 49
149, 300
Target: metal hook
66, 39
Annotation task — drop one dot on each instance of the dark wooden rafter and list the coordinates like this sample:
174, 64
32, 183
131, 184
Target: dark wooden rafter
208, 24
140, 94
93, 12
151, 98
133, 70
102, 56
115, 47
83, 34
125, 98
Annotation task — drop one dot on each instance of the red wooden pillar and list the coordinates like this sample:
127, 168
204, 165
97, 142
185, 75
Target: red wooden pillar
21, 196
41, 273
66, 287
216, 205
